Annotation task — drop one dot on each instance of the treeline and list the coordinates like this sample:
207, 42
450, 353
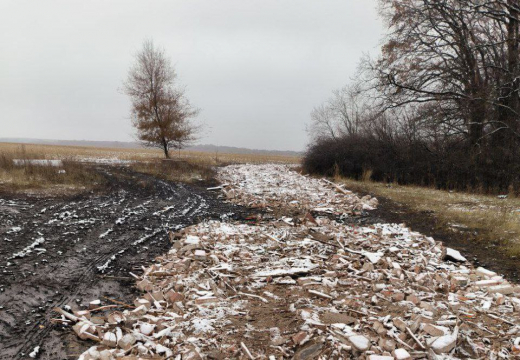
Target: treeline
440, 106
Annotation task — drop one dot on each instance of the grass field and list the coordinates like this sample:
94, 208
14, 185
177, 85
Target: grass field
495, 220
75, 175
35, 151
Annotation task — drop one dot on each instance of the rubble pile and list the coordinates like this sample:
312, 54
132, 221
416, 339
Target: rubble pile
307, 288
270, 186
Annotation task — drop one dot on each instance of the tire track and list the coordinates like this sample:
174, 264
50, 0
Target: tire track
64, 271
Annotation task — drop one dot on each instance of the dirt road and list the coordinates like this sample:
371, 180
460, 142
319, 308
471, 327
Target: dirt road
57, 252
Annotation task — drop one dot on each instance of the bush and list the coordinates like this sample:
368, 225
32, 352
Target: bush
450, 164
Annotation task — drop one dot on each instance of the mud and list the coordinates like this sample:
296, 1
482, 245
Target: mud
70, 251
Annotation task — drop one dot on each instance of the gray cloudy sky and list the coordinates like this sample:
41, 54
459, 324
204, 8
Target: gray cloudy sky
256, 68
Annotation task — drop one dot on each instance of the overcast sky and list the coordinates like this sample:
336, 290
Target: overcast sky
255, 68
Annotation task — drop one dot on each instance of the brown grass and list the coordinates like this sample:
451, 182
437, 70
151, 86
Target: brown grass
192, 171
495, 220
36, 151
190, 166
71, 177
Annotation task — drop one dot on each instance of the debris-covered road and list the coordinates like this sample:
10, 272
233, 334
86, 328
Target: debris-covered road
61, 252
305, 286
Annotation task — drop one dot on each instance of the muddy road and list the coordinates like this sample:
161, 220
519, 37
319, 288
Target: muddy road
57, 252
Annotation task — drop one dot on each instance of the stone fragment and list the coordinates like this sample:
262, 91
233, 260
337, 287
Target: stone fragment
402, 354
126, 342
446, 343
206, 300
174, 296
502, 289
94, 304
144, 285
146, 328
387, 344
200, 255
452, 255
459, 281
359, 342
486, 283
400, 324
433, 330
192, 240
398, 296
337, 318
299, 338
109, 339
379, 328
309, 351
485, 273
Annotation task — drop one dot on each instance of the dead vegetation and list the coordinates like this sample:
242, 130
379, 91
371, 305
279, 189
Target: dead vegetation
187, 171
29, 172
141, 154
74, 175
495, 220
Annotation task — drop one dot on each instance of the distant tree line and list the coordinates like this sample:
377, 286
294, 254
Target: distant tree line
440, 106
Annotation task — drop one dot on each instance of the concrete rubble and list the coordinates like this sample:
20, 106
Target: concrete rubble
306, 287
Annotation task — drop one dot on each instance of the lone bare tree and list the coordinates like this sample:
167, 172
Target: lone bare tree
161, 113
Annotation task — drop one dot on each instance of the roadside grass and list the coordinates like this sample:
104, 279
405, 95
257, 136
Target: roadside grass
494, 220
191, 171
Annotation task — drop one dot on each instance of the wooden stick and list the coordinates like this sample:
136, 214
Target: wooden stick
500, 319
104, 307
415, 338
324, 242
480, 327
119, 302
254, 296
402, 342
66, 314
320, 294
246, 350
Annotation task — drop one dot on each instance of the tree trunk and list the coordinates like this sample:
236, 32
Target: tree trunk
165, 149
477, 117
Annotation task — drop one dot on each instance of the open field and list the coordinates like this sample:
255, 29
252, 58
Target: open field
36, 151
75, 175
488, 222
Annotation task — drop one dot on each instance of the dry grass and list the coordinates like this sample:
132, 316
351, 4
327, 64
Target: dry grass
192, 171
190, 166
86, 152
69, 178
495, 220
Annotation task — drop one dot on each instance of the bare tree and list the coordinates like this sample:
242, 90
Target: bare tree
344, 113
161, 113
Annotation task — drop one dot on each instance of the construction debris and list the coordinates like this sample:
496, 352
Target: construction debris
270, 186
310, 288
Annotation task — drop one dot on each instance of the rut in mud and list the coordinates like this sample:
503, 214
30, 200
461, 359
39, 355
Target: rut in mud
57, 252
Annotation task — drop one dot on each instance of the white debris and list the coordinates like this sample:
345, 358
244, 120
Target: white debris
35, 352
359, 342
27, 250
453, 255
446, 343
38, 162
315, 284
